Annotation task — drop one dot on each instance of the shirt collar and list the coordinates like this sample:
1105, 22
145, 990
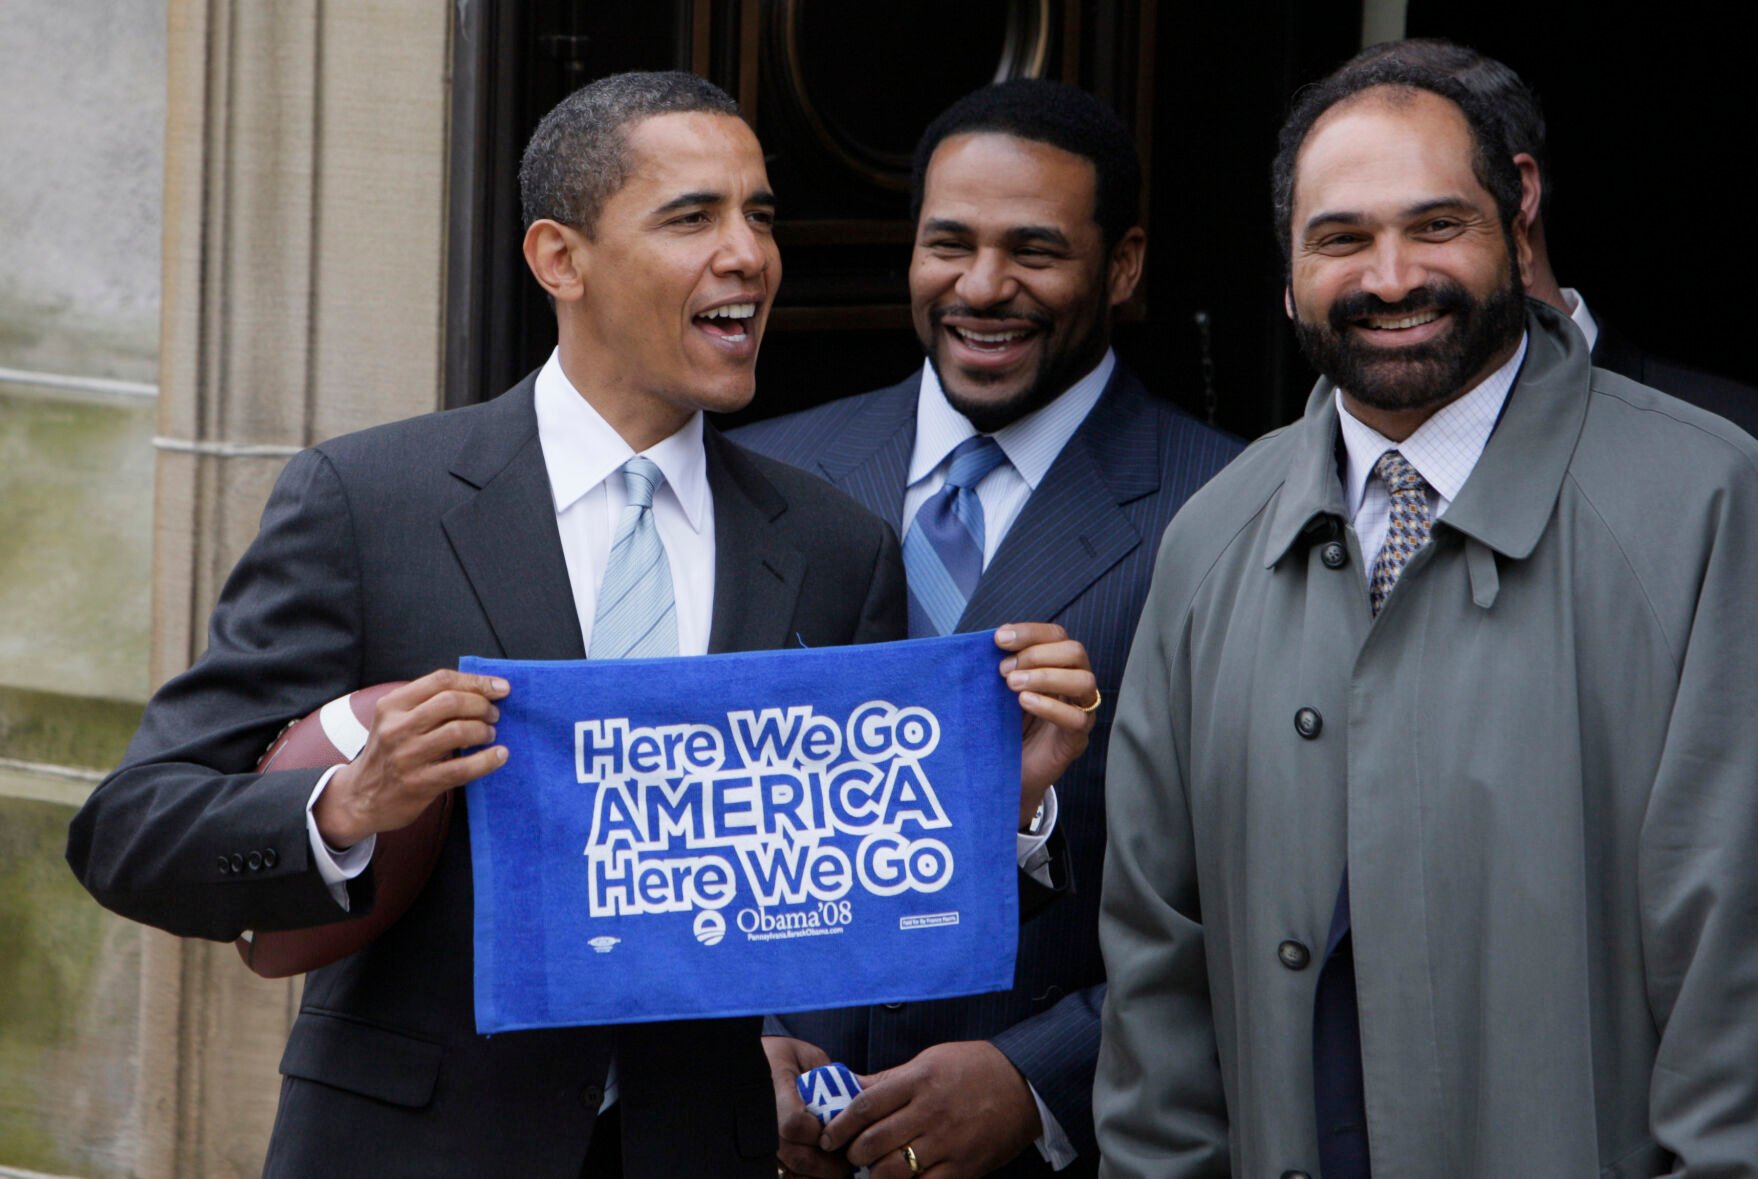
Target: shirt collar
1444, 449
1582, 317
581, 450
1508, 504
1031, 444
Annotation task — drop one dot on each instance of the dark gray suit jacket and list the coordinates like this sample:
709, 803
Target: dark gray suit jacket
383, 555
1080, 554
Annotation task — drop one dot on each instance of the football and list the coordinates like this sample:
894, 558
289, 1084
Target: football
401, 863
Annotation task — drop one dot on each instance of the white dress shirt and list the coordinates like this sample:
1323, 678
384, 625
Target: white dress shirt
582, 454
1580, 316
1444, 450
1031, 445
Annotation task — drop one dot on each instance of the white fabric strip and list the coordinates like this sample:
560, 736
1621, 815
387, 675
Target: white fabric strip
342, 727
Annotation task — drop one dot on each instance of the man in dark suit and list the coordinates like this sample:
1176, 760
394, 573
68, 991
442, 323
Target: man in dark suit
1524, 130
1025, 196
498, 530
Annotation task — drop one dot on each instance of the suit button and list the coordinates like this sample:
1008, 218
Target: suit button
237, 862
225, 866
1295, 1175
269, 857
1308, 722
254, 859
1293, 955
893, 1006
592, 1096
1334, 555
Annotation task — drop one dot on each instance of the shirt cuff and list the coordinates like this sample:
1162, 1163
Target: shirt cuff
1034, 850
336, 867
1054, 1145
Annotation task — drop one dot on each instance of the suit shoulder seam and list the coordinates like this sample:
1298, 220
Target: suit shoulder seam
1617, 542
353, 550
1743, 453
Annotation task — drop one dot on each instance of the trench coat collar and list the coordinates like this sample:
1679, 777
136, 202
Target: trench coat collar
1512, 493
1508, 499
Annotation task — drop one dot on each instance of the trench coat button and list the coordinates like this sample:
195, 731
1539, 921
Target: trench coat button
254, 859
1334, 555
1293, 955
892, 1006
1308, 722
592, 1096
225, 866
269, 857
237, 862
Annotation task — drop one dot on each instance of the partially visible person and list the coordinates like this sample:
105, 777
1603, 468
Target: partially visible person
1028, 238
1524, 127
1432, 778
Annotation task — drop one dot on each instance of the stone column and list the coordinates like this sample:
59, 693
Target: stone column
304, 260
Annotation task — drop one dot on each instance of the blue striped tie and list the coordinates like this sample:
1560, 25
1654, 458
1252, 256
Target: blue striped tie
943, 553
637, 616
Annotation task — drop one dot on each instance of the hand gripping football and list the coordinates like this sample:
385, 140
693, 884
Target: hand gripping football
401, 863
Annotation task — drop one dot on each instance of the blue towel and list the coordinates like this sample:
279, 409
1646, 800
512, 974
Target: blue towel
748, 833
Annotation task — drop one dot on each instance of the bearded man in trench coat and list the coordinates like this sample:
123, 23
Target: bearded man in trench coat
1453, 875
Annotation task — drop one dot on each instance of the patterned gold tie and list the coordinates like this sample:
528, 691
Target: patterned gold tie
1411, 523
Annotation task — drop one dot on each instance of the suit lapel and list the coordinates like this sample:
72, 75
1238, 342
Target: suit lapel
870, 461
505, 536
757, 573
1073, 527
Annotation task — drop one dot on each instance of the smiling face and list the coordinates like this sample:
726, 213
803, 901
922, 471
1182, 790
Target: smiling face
663, 306
1405, 287
1010, 283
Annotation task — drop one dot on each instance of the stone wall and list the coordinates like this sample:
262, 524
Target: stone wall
225, 240
82, 129
82, 113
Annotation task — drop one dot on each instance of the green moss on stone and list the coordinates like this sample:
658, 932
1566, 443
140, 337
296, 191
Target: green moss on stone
65, 730
51, 933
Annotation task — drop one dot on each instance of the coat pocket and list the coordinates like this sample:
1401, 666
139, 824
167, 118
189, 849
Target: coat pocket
362, 1058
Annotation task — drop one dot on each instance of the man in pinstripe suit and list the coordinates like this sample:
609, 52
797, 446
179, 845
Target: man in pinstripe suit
1026, 201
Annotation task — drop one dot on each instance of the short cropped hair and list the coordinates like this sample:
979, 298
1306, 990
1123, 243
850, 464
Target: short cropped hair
1060, 115
578, 157
1491, 161
1521, 113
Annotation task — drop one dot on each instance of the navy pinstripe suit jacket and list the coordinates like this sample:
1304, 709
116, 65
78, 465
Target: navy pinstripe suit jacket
1080, 553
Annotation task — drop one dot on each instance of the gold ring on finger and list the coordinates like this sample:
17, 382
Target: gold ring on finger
909, 1156
1098, 699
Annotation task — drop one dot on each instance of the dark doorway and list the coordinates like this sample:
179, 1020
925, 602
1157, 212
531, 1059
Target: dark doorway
1650, 123
839, 94
1646, 124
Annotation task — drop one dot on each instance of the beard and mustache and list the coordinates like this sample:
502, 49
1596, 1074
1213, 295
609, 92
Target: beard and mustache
1421, 375
1063, 360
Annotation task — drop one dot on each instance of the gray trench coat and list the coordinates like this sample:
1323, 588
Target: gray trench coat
1540, 761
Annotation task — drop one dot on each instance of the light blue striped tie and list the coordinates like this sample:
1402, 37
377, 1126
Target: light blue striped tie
637, 615
943, 553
